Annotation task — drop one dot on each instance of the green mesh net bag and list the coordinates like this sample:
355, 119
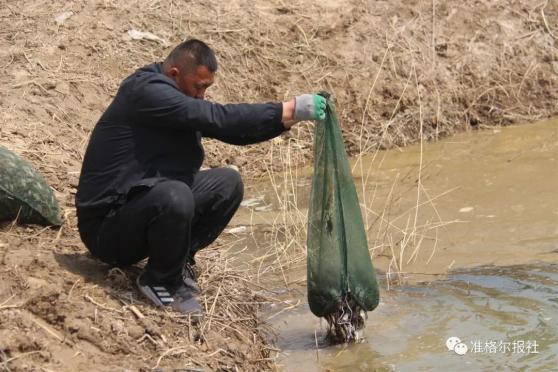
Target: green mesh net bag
342, 282
24, 194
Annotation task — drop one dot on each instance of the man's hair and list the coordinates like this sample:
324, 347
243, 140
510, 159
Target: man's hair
193, 53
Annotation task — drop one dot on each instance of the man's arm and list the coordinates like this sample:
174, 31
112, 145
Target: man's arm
287, 118
159, 103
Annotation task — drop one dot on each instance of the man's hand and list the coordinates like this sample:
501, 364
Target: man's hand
304, 107
310, 107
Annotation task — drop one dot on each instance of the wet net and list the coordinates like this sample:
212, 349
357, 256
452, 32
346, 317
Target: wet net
24, 194
342, 284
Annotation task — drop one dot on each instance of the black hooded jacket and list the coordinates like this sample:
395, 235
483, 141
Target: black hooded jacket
152, 131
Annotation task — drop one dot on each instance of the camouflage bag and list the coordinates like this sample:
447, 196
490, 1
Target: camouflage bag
24, 194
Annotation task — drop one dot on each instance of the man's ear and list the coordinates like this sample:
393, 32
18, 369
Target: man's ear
174, 72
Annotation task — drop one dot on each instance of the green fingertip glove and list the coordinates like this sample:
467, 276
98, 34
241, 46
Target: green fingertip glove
310, 107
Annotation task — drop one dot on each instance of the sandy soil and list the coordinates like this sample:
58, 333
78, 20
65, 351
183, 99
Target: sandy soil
394, 67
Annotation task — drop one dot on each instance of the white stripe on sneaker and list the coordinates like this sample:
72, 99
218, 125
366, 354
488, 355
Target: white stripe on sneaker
163, 294
167, 299
159, 288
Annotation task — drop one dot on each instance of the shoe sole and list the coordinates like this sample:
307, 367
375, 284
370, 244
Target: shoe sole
195, 316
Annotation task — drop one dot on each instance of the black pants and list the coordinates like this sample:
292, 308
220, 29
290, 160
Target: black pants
168, 222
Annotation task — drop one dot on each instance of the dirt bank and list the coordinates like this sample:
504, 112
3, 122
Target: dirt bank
394, 67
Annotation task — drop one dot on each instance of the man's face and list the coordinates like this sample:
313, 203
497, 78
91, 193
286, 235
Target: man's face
194, 83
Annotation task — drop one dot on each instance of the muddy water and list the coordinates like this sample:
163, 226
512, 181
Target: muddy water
476, 260
485, 197
507, 317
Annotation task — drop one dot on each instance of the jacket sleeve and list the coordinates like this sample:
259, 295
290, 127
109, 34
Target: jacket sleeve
158, 102
259, 135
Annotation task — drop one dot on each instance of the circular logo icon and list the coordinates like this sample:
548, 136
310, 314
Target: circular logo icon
451, 342
460, 349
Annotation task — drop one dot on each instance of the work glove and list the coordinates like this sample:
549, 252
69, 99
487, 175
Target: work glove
310, 107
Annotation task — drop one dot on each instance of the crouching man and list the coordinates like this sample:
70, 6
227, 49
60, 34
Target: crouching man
141, 192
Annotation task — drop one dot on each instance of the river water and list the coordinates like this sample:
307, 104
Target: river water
507, 317
464, 234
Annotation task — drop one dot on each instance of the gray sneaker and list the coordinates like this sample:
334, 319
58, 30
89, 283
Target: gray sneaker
190, 279
180, 297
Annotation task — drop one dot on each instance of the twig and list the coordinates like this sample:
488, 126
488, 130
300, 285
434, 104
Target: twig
71, 289
6, 301
136, 311
212, 310
149, 327
5, 363
47, 329
23, 83
317, 348
303, 34
226, 31
148, 336
15, 306
173, 351
88, 298
545, 22
284, 309
433, 33
3, 305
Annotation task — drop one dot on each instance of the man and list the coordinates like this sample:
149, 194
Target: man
141, 192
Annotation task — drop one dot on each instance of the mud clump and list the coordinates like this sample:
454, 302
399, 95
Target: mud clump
48, 307
11, 341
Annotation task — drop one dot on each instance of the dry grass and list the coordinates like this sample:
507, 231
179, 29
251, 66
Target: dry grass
286, 247
467, 79
400, 235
